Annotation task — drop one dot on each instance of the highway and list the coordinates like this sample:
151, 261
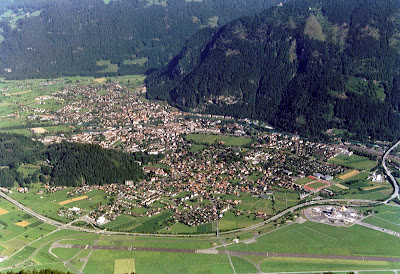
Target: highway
387, 171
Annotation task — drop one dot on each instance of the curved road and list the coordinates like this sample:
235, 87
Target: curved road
387, 171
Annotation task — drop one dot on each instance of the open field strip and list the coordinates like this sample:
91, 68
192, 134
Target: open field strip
100, 80
18, 93
73, 200
38, 130
341, 186
23, 224
372, 187
122, 266
349, 174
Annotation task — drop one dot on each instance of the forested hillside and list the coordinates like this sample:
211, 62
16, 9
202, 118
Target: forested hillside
47, 38
305, 66
67, 164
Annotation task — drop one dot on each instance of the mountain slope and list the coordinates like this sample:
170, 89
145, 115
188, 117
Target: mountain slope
46, 38
305, 66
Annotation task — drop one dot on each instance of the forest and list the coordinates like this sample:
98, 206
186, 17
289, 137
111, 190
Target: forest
68, 164
53, 38
306, 66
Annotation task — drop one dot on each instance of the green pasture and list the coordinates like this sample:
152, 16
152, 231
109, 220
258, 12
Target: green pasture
109, 67
386, 217
65, 253
231, 221
354, 161
315, 238
211, 139
28, 169
136, 61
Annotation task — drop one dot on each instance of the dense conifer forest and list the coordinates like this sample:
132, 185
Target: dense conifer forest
48, 38
306, 66
67, 164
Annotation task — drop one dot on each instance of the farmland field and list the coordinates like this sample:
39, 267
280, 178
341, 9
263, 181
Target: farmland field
354, 161
210, 139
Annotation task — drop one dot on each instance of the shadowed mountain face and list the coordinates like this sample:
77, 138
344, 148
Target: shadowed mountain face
46, 38
304, 66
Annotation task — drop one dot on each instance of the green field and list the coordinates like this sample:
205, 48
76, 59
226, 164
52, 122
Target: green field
49, 205
109, 67
315, 238
386, 217
136, 61
102, 261
354, 161
304, 180
196, 148
322, 265
211, 139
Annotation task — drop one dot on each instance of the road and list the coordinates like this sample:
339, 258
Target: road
224, 252
387, 171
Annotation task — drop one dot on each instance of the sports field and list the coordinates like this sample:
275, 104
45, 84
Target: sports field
315, 185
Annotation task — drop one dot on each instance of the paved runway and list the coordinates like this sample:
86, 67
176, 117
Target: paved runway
232, 253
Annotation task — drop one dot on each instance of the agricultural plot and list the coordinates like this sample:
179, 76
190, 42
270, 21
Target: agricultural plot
354, 161
211, 139
18, 229
348, 174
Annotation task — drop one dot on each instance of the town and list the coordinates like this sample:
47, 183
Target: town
208, 163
